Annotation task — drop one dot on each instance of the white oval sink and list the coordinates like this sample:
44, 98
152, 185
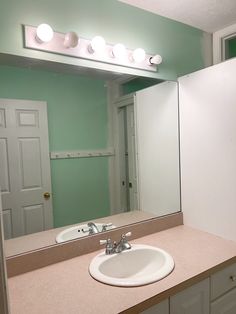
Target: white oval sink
77, 232
141, 265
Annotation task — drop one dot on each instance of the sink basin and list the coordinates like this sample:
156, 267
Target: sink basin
140, 265
77, 232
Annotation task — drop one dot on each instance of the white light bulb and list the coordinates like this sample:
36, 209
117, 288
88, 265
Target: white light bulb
139, 55
44, 33
97, 45
119, 51
71, 40
157, 59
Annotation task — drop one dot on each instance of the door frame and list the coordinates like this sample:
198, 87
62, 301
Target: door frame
219, 39
4, 306
115, 101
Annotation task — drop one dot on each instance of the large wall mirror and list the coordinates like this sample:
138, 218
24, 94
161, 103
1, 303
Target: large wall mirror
80, 148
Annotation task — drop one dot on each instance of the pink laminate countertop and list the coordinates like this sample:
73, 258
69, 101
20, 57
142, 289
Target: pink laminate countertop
67, 288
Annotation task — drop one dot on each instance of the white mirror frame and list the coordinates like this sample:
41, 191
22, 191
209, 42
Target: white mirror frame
4, 307
219, 39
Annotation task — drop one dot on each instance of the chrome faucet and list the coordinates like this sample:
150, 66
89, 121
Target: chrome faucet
92, 228
123, 244
119, 247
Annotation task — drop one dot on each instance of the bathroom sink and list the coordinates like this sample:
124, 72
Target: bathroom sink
140, 265
78, 232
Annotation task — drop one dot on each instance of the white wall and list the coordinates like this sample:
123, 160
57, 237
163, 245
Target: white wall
158, 148
208, 149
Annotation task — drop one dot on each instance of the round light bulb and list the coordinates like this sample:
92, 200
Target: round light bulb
97, 44
119, 51
71, 40
139, 55
44, 33
157, 59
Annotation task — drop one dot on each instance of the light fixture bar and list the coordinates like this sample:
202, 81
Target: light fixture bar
56, 45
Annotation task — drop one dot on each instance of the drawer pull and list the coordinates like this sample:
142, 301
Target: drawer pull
233, 278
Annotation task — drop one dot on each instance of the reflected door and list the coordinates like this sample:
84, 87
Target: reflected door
127, 158
25, 177
131, 157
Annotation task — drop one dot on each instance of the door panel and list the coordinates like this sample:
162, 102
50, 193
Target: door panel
24, 156
7, 223
4, 178
30, 162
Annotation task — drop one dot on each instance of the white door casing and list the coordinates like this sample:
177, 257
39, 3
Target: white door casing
25, 167
219, 39
131, 149
125, 146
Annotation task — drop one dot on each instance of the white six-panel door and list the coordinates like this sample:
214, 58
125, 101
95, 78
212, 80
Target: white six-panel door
24, 167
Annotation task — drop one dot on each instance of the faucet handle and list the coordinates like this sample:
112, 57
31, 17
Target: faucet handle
105, 226
109, 245
104, 241
128, 234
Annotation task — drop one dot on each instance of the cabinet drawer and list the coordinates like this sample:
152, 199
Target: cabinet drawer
222, 281
225, 304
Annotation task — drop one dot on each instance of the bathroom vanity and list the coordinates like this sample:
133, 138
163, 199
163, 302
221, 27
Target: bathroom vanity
202, 282
214, 295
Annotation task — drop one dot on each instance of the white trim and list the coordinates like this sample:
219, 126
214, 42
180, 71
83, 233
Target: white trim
124, 101
219, 39
136, 151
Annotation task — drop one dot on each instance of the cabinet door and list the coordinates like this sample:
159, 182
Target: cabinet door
161, 308
226, 304
194, 300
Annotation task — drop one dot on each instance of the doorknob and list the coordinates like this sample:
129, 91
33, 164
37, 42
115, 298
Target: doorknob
46, 195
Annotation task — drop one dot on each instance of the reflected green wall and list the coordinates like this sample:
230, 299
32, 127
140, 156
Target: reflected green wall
137, 84
77, 115
231, 48
184, 49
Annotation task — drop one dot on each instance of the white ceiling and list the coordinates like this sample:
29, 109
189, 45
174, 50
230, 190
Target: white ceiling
208, 15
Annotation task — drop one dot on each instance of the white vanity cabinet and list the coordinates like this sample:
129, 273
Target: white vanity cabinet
160, 308
223, 291
214, 295
193, 300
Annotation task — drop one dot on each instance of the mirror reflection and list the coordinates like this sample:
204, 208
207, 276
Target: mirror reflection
78, 149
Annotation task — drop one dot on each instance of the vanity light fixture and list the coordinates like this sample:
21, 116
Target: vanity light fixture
71, 44
71, 40
97, 45
157, 59
119, 51
139, 55
44, 33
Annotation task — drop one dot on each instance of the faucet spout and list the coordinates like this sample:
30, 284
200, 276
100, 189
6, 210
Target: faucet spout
92, 228
123, 244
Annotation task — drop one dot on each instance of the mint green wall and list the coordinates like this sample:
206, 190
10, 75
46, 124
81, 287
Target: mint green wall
77, 114
231, 48
182, 47
138, 84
